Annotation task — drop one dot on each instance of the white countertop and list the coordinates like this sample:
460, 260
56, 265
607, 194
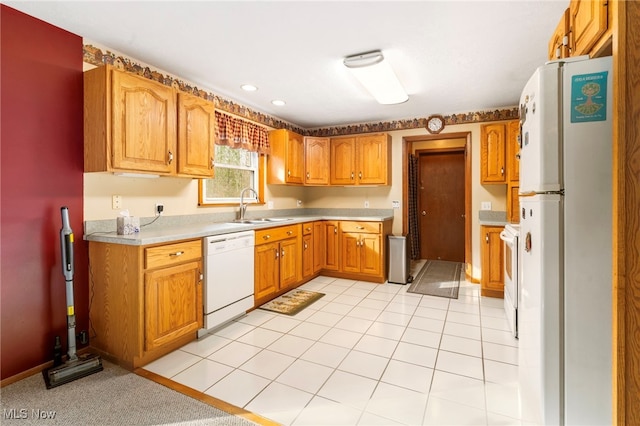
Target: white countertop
156, 233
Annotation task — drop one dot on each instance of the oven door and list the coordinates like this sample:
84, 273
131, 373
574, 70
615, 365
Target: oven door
509, 236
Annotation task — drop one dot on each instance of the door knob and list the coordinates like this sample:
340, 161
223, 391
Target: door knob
424, 213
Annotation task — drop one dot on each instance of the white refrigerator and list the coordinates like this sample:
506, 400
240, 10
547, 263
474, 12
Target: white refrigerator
565, 312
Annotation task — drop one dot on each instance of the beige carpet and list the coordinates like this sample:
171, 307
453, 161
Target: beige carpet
438, 278
113, 396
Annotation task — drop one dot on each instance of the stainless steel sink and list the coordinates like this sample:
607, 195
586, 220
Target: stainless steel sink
263, 220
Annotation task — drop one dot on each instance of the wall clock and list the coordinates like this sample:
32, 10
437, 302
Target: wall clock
435, 124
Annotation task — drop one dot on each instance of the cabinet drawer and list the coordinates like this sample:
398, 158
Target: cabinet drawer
171, 254
307, 228
277, 234
368, 227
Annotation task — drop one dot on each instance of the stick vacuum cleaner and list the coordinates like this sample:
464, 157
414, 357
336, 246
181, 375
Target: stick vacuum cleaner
76, 366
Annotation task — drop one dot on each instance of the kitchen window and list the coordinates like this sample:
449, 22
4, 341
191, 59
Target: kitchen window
234, 170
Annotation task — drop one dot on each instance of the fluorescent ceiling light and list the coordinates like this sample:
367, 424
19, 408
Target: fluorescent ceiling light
377, 76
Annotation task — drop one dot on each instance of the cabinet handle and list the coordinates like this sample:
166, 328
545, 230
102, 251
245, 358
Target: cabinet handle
352, 175
266, 237
306, 246
307, 229
502, 171
308, 175
360, 175
212, 162
335, 229
359, 227
282, 254
277, 254
178, 253
170, 157
288, 172
289, 232
486, 238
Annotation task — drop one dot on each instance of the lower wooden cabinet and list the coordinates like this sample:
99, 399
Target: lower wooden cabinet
147, 300
361, 250
278, 262
492, 258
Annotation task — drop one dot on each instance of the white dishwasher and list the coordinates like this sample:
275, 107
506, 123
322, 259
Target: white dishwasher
228, 282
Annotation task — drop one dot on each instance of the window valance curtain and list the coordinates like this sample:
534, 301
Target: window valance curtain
237, 133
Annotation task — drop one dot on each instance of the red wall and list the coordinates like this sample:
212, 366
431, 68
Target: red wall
41, 170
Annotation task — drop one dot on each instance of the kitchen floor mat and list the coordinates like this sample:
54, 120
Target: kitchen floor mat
292, 302
438, 278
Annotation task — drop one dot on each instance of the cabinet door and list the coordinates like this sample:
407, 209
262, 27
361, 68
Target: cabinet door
316, 161
332, 248
143, 124
267, 271
350, 256
559, 42
513, 151
588, 20
513, 204
307, 256
295, 159
371, 254
492, 279
492, 153
319, 246
343, 161
196, 136
290, 263
371, 164
173, 303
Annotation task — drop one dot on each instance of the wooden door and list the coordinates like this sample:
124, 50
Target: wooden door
371, 254
173, 303
372, 160
143, 124
332, 248
343, 161
441, 205
307, 256
316, 162
295, 158
290, 263
319, 246
196, 136
266, 271
492, 278
492, 153
588, 22
350, 255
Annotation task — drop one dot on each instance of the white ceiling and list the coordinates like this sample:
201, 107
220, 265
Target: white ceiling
451, 56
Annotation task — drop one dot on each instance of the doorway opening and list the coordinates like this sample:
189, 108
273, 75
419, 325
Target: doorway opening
443, 196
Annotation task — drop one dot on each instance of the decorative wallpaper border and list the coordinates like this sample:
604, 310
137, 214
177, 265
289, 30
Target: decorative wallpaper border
96, 56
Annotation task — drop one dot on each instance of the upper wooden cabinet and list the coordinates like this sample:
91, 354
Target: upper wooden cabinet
493, 153
559, 42
129, 123
513, 151
286, 160
196, 136
361, 160
133, 124
316, 161
589, 21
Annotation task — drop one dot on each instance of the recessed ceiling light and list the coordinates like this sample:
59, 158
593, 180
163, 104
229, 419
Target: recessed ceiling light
277, 102
249, 87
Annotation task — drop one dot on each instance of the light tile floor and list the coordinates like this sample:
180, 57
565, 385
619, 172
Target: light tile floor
364, 354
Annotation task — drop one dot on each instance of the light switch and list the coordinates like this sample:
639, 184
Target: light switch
485, 205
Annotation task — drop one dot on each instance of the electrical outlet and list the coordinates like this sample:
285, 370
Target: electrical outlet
485, 205
366, 204
395, 204
116, 202
270, 205
159, 209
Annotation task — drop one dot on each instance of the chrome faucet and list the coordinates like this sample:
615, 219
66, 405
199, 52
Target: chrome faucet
243, 206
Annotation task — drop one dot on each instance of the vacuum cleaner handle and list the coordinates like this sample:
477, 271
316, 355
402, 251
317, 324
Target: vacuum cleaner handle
66, 245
